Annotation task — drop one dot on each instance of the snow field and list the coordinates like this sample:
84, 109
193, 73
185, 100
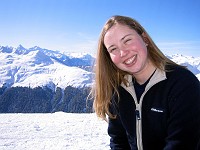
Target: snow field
57, 131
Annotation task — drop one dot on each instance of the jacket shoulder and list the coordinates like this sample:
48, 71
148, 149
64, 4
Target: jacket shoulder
180, 73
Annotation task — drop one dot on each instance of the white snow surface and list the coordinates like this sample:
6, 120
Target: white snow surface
56, 131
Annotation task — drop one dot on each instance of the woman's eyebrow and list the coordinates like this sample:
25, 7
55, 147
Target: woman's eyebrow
110, 46
125, 37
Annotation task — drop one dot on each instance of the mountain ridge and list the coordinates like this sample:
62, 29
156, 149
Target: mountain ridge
40, 67
32, 67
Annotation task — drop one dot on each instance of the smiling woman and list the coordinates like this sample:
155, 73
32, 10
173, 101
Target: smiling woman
143, 93
125, 40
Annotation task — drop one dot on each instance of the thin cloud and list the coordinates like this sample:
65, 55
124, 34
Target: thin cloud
185, 47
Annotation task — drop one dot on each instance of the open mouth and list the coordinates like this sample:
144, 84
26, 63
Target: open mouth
130, 60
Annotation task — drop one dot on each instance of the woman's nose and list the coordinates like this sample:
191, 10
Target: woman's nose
123, 51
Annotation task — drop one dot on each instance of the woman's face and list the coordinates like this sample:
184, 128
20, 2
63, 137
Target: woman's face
127, 49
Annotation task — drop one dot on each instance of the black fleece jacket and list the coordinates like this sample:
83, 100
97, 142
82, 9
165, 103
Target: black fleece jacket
167, 117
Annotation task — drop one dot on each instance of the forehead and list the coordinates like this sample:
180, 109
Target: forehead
117, 32
117, 28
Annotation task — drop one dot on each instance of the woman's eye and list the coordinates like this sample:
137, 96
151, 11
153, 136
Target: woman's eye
126, 41
113, 49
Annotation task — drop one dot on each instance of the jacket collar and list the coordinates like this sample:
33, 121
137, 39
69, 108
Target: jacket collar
158, 76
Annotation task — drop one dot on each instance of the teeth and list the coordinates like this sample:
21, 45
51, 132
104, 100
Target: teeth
129, 61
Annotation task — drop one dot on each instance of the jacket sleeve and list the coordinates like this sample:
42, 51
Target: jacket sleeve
117, 133
184, 122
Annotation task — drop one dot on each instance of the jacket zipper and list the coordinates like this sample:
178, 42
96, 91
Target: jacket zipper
137, 114
138, 126
138, 117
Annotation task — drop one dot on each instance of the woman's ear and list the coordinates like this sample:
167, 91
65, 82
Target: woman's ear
145, 38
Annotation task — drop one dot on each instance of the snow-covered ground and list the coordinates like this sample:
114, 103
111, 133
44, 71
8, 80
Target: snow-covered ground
56, 131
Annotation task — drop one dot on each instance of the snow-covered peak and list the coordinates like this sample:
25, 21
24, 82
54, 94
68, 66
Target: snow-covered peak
6, 49
41, 67
20, 50
79, 55
193, 63
185, 59
35, 48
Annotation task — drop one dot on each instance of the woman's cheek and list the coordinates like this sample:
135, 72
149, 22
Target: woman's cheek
115, 59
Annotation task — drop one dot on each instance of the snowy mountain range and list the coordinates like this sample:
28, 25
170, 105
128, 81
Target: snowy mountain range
37, 66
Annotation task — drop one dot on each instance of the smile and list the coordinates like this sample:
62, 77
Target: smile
130, 60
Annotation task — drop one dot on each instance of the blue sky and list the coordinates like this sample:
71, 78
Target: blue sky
75, 25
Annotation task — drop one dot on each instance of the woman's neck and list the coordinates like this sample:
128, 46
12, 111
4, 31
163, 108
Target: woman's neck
142, 76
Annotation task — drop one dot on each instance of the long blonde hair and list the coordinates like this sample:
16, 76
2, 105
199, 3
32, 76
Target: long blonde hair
107, 76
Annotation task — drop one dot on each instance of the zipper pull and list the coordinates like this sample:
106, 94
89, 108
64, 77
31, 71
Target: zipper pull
137, 113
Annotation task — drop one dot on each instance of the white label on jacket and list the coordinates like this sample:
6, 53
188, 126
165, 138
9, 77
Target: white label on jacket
157, 110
